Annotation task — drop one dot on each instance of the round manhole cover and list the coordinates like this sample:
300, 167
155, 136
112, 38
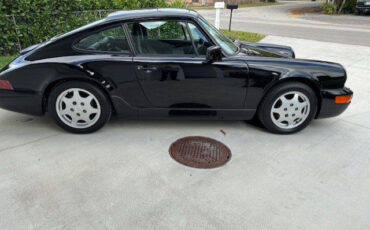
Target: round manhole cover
200, 152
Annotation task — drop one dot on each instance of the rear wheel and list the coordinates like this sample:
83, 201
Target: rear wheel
288, 108
79, 107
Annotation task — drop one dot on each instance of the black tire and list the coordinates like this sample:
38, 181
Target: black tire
102, 98
358, 12
264, 111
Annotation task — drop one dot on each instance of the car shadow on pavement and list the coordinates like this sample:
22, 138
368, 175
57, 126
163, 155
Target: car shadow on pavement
117, 121
27, 124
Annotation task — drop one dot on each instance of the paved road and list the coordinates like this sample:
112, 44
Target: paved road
122, 177
276, 20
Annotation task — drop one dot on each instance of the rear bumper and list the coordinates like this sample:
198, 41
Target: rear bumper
328, 106
22, 102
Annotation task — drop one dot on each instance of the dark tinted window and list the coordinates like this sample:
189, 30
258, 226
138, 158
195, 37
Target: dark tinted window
200, 40
109, 40
226, 44
161, 37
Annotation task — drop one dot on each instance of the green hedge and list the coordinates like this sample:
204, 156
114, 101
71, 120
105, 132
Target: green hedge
39, 20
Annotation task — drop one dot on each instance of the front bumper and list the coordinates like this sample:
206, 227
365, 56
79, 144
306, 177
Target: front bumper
363, 8
328, 106
22, 102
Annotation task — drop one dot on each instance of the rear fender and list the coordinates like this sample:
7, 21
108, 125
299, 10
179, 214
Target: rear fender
37, 77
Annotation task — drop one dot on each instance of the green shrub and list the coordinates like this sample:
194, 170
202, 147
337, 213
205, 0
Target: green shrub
178, 4
135, 4
39, 20
329, 8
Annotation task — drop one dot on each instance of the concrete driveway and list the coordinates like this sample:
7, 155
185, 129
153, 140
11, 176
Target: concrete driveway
123, 177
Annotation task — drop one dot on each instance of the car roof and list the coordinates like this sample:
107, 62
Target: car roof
150, 13
130, 14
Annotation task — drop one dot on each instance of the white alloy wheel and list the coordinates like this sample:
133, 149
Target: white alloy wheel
78, 108
290, 110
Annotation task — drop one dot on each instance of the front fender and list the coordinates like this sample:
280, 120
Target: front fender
300, 76
265, 73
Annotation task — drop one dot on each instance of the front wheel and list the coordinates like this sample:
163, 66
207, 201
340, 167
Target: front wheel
79, 107
288, 108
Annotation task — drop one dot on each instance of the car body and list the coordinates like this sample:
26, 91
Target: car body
198, 75
362, 6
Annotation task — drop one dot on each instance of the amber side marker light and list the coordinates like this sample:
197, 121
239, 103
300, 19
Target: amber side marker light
343, 99
4, 84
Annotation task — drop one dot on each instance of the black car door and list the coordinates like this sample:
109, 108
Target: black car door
107, 55
173, 74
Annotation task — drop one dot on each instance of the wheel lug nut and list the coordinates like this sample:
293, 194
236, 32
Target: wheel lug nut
78, 114
285, 109
296, 108
74, 103
286, 115
291, 104
82, 103
84, 111
72, 110
293, 115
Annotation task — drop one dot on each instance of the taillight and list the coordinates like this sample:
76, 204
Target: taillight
4, 84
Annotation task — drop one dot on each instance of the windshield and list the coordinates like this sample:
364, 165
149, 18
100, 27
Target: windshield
226, 44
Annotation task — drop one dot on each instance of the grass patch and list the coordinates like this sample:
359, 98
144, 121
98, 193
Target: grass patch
4, 60
244, 5
257, 4
243, 36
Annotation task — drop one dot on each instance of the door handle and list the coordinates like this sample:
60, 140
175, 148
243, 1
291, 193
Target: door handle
146, 69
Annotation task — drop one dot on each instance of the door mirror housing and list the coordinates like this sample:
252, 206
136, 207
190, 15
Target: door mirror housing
214, 53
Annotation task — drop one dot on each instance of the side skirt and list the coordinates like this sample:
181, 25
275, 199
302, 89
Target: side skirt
123, 109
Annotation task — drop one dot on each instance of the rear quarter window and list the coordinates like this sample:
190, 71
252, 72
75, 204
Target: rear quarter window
109, 40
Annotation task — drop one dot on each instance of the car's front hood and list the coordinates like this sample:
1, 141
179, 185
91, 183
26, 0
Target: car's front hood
267, 50
286, 67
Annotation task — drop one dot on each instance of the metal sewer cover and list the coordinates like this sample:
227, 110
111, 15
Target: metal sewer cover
200, 152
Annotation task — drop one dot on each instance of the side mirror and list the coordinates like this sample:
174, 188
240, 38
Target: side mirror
213, 54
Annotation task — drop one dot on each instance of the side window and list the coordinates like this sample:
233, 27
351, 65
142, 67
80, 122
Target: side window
161, 37
200, 40
109, 40
171, 30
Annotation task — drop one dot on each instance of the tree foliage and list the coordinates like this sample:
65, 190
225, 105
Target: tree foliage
348, 6
339, 6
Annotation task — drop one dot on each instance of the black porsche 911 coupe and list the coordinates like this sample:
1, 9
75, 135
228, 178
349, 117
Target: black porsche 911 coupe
169, 63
